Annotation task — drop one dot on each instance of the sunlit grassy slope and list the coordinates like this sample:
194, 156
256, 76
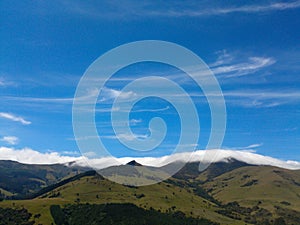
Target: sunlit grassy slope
252, 184
93, 189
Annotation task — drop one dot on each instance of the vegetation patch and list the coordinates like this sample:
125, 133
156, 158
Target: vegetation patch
125, 214
11, 216
250, 183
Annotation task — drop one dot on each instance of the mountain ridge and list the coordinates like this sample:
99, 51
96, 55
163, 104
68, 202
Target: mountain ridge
217, 193
25, 156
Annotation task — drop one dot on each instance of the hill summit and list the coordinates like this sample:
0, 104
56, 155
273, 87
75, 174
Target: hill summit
134, 163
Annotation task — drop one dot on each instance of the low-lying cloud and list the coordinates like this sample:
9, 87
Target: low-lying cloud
30, 156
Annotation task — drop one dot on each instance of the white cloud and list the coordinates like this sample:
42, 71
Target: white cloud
130, 137
127, 137
135, 121
71, 153
110, 94
14, 118
12, 140
29, 156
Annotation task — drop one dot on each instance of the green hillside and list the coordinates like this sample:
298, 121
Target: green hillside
266, 184
274, 189
162, 197
241, 194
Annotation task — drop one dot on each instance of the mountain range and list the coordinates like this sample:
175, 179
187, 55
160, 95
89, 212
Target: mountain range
228, 191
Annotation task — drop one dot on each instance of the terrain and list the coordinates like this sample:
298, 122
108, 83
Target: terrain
18, 180
230, 192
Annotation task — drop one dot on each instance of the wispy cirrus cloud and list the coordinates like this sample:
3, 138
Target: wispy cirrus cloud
256, 97
134, 9
128, 137
90, 94
38, 100
249, 148
229, 65
152, 110
2, 83
218, 11
226, 66
15, 118
5, 83
252, 65
262, 98
259, 98
253, 146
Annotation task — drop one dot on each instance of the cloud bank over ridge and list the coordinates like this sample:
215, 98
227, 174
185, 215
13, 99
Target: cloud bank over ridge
30, 156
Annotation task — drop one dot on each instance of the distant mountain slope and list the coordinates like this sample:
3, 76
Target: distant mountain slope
20, 179
134, 173
192, 170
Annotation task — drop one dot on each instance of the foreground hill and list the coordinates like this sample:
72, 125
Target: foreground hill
163, 197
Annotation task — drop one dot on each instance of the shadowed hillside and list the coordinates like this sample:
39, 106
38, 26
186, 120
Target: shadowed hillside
22, 179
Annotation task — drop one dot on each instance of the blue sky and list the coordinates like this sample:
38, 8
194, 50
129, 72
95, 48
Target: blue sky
252, 47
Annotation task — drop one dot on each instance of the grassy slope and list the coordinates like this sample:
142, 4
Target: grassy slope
249, 185
160, 196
